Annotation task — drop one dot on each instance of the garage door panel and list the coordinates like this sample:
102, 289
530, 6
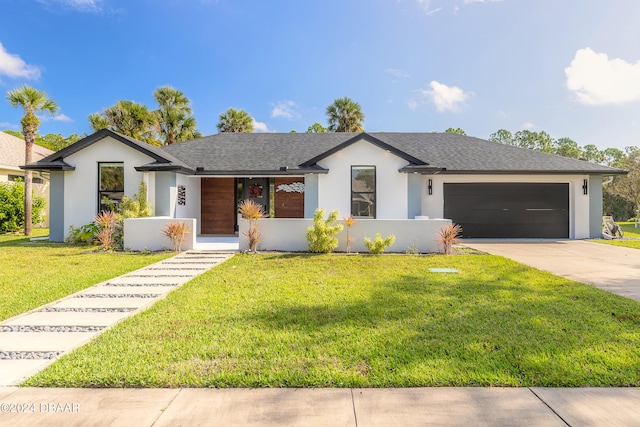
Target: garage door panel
509, 209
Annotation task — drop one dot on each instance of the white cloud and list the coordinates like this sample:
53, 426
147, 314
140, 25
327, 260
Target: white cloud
480, 1
260, 127
284, 109
528, 126
413, 104
62, 118
445, 98
94, 6
396, 72
13, 66
426, 5
598, 80
8, 125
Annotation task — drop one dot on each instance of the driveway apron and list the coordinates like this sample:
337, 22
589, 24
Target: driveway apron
612, 268
32, 341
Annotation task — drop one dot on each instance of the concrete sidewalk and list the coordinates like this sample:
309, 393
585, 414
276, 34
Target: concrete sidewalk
612, 268
32, 341
321, 407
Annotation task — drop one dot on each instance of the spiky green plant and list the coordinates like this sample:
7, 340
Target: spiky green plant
321, 235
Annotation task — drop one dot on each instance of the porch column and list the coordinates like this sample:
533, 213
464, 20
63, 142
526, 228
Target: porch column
166, 193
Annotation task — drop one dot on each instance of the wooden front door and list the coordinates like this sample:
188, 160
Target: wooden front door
217, 206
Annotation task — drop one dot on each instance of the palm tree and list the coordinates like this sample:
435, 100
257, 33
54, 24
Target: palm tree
345, 115
128, 118
32, 101
235, 120
175, 122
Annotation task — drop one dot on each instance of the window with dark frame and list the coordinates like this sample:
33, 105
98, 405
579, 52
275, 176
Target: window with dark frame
110, 184
363, 191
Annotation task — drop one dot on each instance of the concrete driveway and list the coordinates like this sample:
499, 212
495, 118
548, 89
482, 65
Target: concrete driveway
612, 268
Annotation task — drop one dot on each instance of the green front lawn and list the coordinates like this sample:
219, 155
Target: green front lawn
33, 274
278, 320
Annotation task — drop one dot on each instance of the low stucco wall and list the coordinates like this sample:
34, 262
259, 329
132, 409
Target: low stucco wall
290, 234
146, 233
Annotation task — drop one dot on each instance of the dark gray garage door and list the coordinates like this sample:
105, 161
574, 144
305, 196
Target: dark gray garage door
509, 209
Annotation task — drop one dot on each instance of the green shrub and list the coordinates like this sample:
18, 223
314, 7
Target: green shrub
321, 235
138, 206
378, 245
12, 207
83, 234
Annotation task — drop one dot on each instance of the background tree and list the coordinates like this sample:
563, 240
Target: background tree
52, 141
567, 147
628, 186
317, 128
502, 136
345, 115
592, 154
128, 118
235, 120
32, 101
174, 116
456, 131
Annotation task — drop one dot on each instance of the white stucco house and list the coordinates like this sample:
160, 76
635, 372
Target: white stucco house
492, 190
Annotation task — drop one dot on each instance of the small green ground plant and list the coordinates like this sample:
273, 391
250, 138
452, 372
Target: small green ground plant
321, 235
378, 245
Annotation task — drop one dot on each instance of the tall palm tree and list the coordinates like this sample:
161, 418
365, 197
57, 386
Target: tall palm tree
345, 115
32, 101
175, 122
128, 118
235, 120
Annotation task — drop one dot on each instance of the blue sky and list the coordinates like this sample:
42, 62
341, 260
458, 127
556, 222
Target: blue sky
570, 68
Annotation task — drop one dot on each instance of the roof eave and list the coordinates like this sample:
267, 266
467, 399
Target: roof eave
264, 172
57, 166
534, 172
165, 168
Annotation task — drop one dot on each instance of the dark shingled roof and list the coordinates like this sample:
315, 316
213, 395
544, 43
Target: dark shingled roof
425, 152
298, 153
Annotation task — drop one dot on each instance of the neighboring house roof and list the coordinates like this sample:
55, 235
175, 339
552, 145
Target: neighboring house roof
298, 153
163, 160
12, 151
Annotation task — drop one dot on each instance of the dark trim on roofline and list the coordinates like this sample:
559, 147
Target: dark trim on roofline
164, 168
101, 134
373, 140
246, 172
50, 166
527, 172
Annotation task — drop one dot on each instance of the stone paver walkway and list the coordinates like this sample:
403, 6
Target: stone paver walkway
31, 341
